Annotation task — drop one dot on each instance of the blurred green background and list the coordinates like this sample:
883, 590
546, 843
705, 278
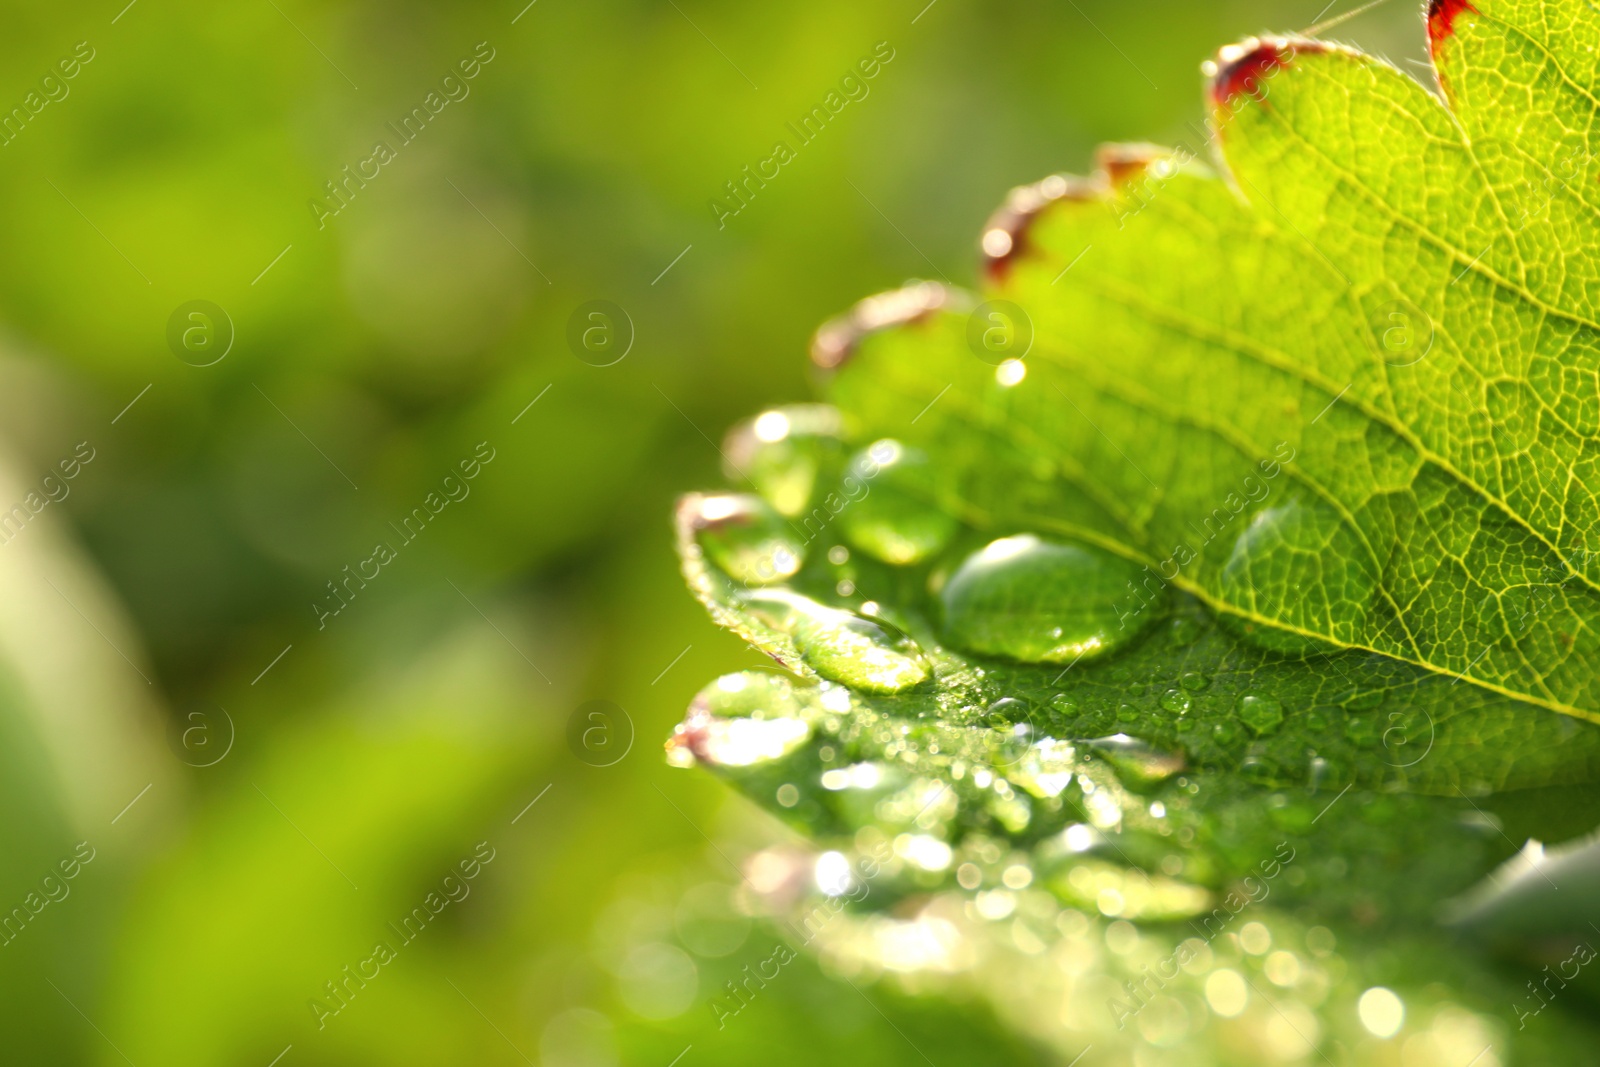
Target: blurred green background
263, 790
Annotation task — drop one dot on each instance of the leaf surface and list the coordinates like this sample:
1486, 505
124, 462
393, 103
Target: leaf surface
1249, 507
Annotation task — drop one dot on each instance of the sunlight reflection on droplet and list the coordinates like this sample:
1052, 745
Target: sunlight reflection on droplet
1226, 993
996, 242
1381, 1011
833, 874
772, 427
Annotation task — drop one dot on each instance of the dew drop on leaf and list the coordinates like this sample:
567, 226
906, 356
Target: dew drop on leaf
1176, 701
745, 537
1064, 704
780, 452
1195, 681
1259, 771
1138, 764
1007, 710
1033, 601
1262, 714
1297, 564
1185, 630
887, 511
867, 654
1362, 729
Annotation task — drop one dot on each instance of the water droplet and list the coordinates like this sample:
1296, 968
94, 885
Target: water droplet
1225, 732
1006, 711
1127, 713
1300, 565
1362, 729
1185, 630
1334, 774
887, 510
1029, 600
867, 654
1363, 699
1137, 763
1015, 744
744, 536
1262, 714
1195, 681
1176, 701
754, 694
741, 720
780, 452
1064, 704
1259, 771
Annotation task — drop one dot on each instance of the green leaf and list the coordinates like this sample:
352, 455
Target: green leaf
1249, 512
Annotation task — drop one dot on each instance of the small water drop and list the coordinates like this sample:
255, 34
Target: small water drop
1225, 732
744, 536
1137, 763
1262, 714
1362, 729
1064, 704
1362, 699
1185, 630
1176, 701
1007, 710
887, 510
1259, 771
867, 654
1194, 681
1127, 713
1032, 601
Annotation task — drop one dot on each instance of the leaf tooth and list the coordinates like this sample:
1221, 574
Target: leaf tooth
1241, 70
1005, 235
1442, 15
836, 341
1124, 164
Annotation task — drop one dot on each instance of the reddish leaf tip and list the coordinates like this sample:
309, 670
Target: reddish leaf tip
1005, 236
1123, 164
1240, 69
836, 341
1442, 15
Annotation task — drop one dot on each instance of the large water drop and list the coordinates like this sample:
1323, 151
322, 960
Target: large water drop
1033, 601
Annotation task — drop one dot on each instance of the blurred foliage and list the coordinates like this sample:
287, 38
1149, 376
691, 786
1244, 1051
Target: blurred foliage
377, 352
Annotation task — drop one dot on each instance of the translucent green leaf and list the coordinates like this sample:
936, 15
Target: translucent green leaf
1248, 513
